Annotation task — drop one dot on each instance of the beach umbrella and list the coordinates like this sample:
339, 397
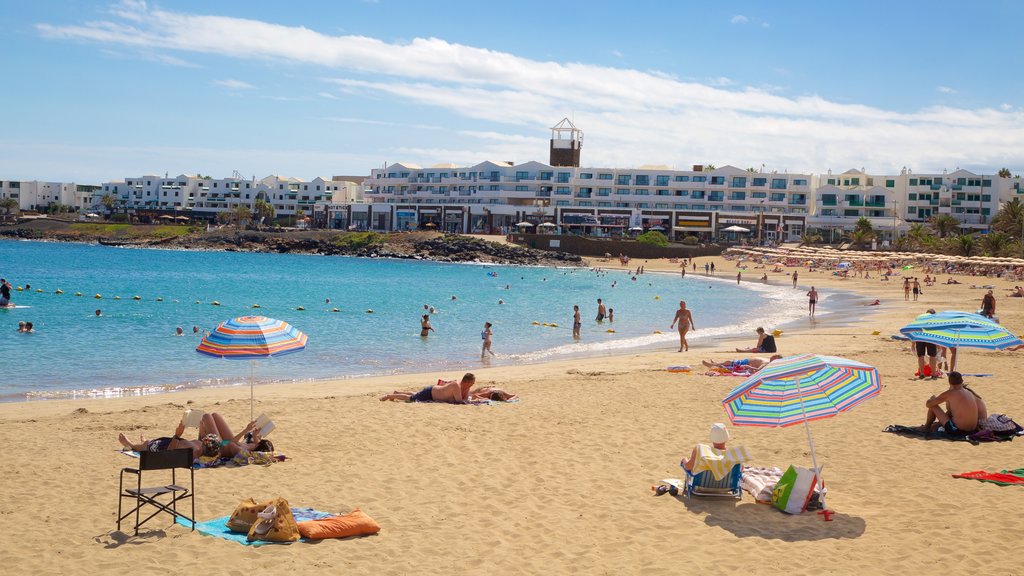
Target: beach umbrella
524, 225
735, 229
251, 338
954, 329
799, 389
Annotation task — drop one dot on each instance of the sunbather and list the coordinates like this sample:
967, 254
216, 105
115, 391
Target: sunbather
719, 435
212, 429
961, 413
447, 391
754, 363
765, 343
491, 393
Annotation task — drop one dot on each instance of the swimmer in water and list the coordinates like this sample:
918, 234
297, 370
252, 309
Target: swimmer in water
178, 331
425, 327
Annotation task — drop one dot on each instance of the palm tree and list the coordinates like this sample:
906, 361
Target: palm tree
108, 201
9, 205
944, 224
241, 215
860, 237
1010, 218
299, 213
1004, 172
994, 243
964, 244
918, 235
264, 212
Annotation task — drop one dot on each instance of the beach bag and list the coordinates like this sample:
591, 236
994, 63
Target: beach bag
275, 524
794, 490
245, 513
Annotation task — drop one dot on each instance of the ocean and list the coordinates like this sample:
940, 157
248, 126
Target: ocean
132, 347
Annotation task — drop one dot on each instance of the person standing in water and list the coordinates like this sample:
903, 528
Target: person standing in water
576, 323
486, 336
685, 320
812, 297
601, 311
425, 327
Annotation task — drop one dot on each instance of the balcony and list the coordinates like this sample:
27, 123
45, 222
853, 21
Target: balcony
831, 202
875, 203
855, 202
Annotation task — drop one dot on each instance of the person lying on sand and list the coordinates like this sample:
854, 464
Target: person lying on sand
212, 429
491, 393
447, 391
755, 363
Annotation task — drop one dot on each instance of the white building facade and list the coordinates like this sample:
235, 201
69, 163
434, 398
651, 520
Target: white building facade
37, 195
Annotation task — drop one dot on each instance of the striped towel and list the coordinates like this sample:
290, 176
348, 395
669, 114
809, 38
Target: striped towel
718, 462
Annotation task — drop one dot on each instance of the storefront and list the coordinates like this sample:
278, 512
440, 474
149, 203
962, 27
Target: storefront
699, 224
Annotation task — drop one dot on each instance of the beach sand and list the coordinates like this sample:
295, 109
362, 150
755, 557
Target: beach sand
558, 483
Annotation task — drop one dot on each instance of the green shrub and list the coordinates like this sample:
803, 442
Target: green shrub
119, 217
358, 240
690, 240
653, 238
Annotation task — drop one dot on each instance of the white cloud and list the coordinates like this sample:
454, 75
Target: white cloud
234, 84
327, 95
739, 19
721, 81
945, 90
631, 117
616, 53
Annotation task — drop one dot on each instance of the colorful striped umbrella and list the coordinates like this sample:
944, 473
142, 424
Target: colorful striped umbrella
250, 338
955, 329
799, 389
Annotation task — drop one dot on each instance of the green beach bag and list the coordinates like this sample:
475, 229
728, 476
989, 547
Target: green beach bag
794, 490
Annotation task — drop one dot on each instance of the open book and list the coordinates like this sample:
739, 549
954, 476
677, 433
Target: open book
265, 425
192, 418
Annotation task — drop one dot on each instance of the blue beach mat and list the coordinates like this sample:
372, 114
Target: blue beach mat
218, 527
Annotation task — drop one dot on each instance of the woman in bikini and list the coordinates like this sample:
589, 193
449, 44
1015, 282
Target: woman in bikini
685, 320
425, 327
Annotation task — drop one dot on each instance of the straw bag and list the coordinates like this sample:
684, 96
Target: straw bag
245, 513
275, 524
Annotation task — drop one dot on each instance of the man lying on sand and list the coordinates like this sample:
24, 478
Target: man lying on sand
447, 391
755, 363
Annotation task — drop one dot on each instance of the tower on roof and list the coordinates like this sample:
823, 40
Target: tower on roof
566, 141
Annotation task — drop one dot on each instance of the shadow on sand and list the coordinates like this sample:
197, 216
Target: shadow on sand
750, 520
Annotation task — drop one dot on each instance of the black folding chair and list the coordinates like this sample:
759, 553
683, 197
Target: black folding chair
169, 459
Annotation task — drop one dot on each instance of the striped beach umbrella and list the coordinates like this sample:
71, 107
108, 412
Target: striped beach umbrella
251, 338
799, 389
955, 329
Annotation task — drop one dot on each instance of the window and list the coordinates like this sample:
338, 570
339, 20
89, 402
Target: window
698, 207
682, 178
760, 181
522, 188
680, 206
563, 177
522, 175
832, 181
851, 213
912, 196
643, 205
604, 191
738, 196
739, 182
697, 194
777, 197
561, 202
758, 194
799, 182
778, 184
912, 210
642, 192
622, 191
642, 180
622, 180
986, 197
718, 180
682, 192
913, 181
890, 183
604, 204
604, 176
562, 190
737, 208
662, 181
586, 176
700, 178
664, 192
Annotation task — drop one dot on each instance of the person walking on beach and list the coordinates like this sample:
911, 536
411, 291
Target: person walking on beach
794, 278
988, 305
738, 274
812, 300
712, 268
425, 327
576, 323
685, 320
601, 311
486, 337
916, 289
906, 289
706, 268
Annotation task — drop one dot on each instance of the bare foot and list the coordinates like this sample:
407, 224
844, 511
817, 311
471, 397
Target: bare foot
124, 440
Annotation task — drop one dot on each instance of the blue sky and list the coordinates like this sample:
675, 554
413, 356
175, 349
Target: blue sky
98, 91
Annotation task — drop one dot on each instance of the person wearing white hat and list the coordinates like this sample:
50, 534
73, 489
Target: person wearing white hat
718, 435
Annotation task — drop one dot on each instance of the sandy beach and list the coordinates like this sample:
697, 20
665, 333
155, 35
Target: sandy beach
557, 483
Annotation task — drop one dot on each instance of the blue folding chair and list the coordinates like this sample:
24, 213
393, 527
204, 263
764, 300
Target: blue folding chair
704, 483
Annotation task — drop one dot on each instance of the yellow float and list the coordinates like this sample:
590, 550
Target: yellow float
98, 296
58, 291
136, 297
299, 308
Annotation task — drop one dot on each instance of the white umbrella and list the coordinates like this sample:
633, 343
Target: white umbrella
636, 229
525, 225
735, 229
547, 225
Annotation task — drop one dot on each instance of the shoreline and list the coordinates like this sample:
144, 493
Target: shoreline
662, 340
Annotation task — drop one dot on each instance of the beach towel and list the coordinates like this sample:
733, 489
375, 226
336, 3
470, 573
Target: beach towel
759, 482
1002, 478
975, 438
218, 527
242, 459
718, 462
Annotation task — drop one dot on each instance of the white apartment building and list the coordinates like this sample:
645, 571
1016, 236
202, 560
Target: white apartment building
39, 196
497, 195
204, 197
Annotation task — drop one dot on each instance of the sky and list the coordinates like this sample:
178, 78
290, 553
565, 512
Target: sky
100, 91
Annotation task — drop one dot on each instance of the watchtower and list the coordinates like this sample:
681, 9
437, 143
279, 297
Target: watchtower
566, 141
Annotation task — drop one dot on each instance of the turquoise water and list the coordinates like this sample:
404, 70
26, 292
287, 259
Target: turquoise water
132, 348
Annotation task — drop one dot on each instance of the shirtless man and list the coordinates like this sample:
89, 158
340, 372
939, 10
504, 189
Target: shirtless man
685, 320
812, 300
601, 311
960, 417
756, 362
447, 391
576, 323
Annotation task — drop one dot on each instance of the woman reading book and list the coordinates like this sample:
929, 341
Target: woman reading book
215, 439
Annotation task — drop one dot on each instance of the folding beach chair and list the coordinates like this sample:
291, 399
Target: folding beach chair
167, 460
704, 483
